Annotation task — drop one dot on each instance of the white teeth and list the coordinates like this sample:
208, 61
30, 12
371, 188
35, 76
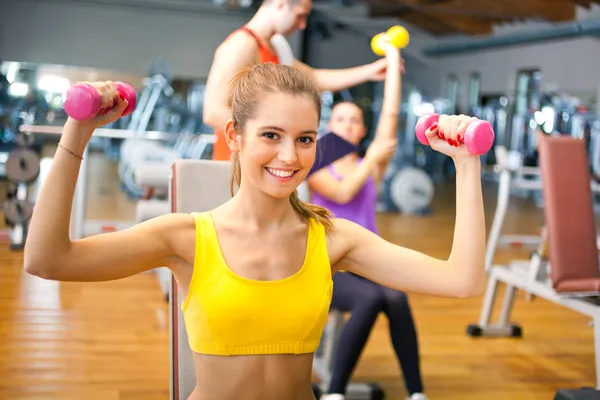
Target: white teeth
281, 174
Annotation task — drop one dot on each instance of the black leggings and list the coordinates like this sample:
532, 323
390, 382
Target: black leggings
364, 299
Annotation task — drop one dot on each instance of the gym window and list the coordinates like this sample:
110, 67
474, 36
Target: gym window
474, 89
528, 84
452, 91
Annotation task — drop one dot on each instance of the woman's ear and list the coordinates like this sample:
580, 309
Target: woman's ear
232, 137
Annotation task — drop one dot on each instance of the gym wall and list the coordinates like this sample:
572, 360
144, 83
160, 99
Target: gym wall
68, 32
566, 65
114, 37
82, 33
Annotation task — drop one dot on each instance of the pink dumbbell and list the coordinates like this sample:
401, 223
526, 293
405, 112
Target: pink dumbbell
479, 136
83, 100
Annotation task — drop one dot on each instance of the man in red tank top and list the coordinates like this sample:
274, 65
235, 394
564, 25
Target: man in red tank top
251, 44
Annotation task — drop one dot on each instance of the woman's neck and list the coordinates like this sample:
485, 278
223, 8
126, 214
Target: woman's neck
258, 210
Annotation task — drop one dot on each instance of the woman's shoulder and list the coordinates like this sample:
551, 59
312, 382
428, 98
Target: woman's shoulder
343, 225
178, 217
348, 231
177, 229
173, 222
342, 236
339, 227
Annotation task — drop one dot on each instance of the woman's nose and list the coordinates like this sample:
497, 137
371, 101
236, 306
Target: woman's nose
287, 153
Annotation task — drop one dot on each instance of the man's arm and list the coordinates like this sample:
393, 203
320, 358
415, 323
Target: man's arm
339, 79
238, 51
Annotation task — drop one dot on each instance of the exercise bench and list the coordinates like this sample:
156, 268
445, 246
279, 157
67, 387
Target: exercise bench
194, 186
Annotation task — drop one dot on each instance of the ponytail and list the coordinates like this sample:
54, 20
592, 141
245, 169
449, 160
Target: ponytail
310, 211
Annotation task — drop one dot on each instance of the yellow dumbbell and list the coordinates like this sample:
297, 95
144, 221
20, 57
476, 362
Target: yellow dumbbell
377, 43
397, 35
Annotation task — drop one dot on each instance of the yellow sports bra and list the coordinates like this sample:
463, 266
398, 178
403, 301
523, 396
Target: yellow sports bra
226, 314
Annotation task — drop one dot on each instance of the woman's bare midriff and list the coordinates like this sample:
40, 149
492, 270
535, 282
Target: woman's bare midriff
254, 377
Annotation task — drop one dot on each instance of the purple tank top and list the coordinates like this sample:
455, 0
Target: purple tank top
362, 209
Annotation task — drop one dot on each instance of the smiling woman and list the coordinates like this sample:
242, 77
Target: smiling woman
256, 271
285, 146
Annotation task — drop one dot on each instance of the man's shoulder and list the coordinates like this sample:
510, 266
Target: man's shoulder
238, 38
238, 46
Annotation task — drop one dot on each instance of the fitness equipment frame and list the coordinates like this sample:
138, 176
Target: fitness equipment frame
194, 186
323, 362
210, 189
570, 276
153, 88
80, 226
153, 178
513, 176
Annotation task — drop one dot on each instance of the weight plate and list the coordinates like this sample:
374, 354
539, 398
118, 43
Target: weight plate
22, 165
25, 140
17, 211
411, 190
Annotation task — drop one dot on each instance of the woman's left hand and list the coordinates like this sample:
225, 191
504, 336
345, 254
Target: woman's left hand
448, 135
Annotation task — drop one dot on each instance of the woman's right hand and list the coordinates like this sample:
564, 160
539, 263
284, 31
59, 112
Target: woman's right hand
111, 103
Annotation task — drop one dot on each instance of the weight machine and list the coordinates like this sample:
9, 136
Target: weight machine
160, 109
513, 176
496, 112
408, 184
567, 273
135, 151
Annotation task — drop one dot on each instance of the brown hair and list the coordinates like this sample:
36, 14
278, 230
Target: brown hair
247, 87
354, 103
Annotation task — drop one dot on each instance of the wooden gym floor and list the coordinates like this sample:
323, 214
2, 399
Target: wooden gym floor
109, 341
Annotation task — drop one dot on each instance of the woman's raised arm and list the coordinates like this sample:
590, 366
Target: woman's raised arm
49, 251
387, 126
462, 274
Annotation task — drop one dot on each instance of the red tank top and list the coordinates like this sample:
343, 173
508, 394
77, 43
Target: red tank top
265, 55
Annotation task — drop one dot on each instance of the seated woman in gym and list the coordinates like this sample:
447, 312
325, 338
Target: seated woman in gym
256, 271
348, 188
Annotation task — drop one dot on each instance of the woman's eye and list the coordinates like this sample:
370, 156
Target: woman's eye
306, 140
270, 135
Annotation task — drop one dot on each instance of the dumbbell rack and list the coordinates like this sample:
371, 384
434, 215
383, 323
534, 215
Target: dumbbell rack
22, 169
18, 207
